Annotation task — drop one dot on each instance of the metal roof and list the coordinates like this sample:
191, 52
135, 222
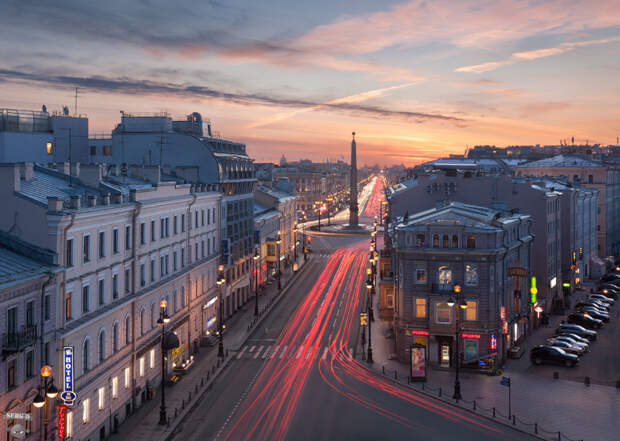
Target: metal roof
15, 267
563, 161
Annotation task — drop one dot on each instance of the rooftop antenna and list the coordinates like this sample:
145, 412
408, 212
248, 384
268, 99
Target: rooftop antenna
76, 97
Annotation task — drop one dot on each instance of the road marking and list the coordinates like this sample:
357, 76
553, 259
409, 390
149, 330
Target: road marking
266, 353
252, 348
309, 352
258, 352
350, 353
275, 351
240, 354
283, 353
301, 348
325, 353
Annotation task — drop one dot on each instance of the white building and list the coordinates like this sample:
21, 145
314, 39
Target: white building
127, 239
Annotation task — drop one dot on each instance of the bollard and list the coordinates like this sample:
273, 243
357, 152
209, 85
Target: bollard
408, 377
559, 436
208, 375
383, 369
176, 412
422, 386
395, 374
202, 381
474, 404
196, 388
556, 375
536, 428
493, 412
183, 404
587, 381
514, 420
439, 392
189, 396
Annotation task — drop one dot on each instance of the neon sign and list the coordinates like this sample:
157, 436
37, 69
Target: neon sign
493, 343
476, 336
62, 421
211, 322
68, 396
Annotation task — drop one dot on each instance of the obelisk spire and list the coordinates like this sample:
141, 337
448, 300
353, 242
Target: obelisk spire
353, 214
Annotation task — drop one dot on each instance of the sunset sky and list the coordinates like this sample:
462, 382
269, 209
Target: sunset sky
414, 79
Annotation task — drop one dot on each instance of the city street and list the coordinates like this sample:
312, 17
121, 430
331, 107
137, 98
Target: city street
296, 377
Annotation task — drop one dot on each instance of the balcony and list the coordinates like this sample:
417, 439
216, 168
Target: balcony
17, 341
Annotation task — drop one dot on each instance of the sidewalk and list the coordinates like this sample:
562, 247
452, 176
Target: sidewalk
186, 394
590, 413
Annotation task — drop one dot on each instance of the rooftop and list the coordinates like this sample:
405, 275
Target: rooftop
562, 161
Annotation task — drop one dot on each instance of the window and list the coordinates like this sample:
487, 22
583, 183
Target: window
47, 304
435, 240
127, 378
444, 277
471, 313
152, 315
142, 314
69, 253
46, 353
162, 270
127, 330
101, 347
196, 251
115, 338
101, 244
471, 275
152, 231
174, 261
446, 241
202, 245
471, 241
182, 257
420, 276
69, 430
166, 227
68, 311
49, 148
85, 299
30, 313
11, 372
162, 229
93, 150
85, 410
455, 241
203, 217
115, 241
141, 366
29, 365
175, 296
419, 242
85, 356
101, 292
182, 297
196, 220
127, 237
444, 313
152, 358
420, 308
152, 270
86, 249
175, 229
142, 233
107, 150
127, 280
142, 275
182, 223
115, 286
114, 387
590, 179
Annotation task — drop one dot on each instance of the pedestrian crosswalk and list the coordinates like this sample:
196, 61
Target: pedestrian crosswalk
302, 352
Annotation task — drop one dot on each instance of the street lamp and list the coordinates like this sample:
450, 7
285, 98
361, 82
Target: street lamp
46, 390
256, 263
370, 280
295, 240
221, 279
462, 305
162, 321
369, 286
278, 242
304, 239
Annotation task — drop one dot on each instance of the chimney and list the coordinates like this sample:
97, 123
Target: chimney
10, 178
75, 169
117, 198
75, 202
54, 203
28, 171
65, 168
91, 174
106, 199
152, 174
92, 201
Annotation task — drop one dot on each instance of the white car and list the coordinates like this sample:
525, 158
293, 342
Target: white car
601, 298
572, 341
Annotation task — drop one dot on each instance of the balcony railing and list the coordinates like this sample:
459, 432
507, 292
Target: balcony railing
16, 341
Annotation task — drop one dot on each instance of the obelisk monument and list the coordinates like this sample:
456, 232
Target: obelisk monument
353, 215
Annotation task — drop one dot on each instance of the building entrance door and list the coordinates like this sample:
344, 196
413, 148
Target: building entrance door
444, 354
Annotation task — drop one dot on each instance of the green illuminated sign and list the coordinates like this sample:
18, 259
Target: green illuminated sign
533, 290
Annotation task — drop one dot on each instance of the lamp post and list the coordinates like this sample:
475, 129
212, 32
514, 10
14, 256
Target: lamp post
368, 287
462, 304
256, 264
46, 390
221, 279
295, 241
162, 321
329, 200
319, 210
278, 242
304, 240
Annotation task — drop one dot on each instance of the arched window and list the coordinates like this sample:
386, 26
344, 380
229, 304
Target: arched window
115, 337
446, 241
455, 241
471, 275
444, 276
419, 240
471, 241
101, 346
436, 240
86, 355
127, 330
142, 314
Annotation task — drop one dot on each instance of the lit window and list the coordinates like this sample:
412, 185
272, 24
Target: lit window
85, 410
471, 275
69, 424
471, 313
152, 358
420, 308
101, 398
141, 367
115, 387
127, 377
445, 277
420, 276
443, 311
49, 148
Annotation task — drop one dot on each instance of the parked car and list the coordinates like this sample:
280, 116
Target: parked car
585, 320
602, 298
593, 303
550, 354
610, 277
575, 341
571, 328
594, 312
575, 337
566, 346
609, 291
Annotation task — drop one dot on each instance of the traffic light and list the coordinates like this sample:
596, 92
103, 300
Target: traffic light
533, 290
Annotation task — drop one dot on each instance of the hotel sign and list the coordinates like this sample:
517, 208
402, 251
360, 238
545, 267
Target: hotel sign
68, 396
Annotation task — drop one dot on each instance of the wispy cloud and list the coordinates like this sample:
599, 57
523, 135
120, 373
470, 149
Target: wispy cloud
349, 105
534, 55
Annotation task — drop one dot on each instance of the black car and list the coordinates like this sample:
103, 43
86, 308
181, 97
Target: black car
609, 291
580, 331
593, 312
592, 303
549, 354
585, 320
610, 277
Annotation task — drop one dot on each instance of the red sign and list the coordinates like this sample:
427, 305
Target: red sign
62, 421
517, 272
419, 332
476, 336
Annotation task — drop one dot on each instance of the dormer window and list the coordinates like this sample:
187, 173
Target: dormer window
455, 241
446, 241
471, 241
436, 240
419, 240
